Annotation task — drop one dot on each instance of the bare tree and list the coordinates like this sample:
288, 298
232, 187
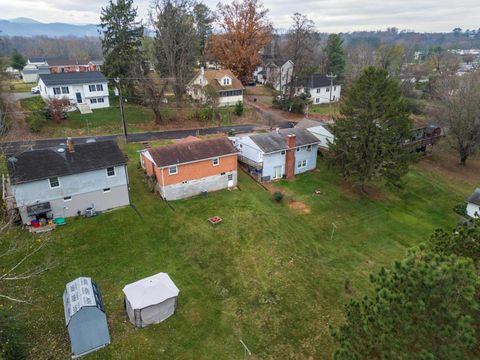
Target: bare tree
458, 110
176, 42
153, 89
301, 39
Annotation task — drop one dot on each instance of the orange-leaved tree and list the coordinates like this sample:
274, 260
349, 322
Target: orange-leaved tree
245, 31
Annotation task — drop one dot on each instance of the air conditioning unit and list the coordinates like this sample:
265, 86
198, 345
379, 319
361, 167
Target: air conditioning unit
90, 211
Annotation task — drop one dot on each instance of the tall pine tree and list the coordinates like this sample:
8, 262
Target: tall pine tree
335, 56
17, 60
371, 130
121, 39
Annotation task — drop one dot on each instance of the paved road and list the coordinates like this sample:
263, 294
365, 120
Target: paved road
15, 146
16, 96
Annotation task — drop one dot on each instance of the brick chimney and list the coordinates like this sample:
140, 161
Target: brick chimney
70, 146
290, 156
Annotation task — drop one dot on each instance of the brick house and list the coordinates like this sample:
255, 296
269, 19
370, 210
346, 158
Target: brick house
191, 167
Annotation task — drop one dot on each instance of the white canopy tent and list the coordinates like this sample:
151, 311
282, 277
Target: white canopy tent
150, 300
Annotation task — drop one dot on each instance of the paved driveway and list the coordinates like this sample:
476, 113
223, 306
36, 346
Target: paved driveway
14, 97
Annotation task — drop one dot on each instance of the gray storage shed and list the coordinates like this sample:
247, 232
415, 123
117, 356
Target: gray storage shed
150, 300
85, 317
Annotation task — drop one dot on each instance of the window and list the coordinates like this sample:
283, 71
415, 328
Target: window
216, 161
226, 81
172, 170
327, 89
54, 182
110, 171
106, 190
335, 88
101, 100
93, 101
309, 148
99, 87
317, 100
230, 177
298, 149
91, 88
65, 90
56, 91
318, 91
302, 164
222, 173
283, 152
67, 198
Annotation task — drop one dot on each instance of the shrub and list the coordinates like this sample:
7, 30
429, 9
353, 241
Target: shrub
206, 114
295, 105
278, 196
461, 209
12, 340
36, 122
238, 110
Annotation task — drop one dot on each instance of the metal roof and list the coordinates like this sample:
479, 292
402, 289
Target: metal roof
474, 198
277, 140
45, 163
80, 293
308, 123
72, 78
150, 291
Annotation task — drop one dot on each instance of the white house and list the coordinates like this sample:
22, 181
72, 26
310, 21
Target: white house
277, 154
279, 76
229, 88
473, 204
88, 89
66, 180
320, 89
319, 129
33, 68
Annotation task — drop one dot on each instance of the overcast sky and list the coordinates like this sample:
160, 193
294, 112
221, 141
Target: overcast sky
329, 15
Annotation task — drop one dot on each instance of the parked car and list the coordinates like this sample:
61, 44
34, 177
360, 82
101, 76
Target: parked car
36, 90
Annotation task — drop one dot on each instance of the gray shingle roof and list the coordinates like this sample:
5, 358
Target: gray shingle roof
316, 81
474, 198
41, 164
71, 78
276, 141
308, 123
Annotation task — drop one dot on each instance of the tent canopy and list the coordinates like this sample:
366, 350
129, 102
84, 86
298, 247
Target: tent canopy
150, 291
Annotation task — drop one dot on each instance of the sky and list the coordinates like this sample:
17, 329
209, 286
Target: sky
328, 15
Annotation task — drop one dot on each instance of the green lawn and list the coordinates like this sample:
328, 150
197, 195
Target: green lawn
323, 109
270, 275
18, 86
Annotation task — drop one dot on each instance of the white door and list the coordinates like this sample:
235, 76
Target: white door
278, 172
230, 180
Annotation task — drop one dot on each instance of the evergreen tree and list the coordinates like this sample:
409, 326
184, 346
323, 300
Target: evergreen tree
423, 308
370, 132
121, 39
203, 18
17, 60
335, 56
462, 241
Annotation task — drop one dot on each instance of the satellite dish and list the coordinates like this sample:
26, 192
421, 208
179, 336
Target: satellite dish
61, 150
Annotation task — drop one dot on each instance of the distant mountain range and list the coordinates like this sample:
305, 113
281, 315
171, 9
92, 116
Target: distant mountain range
30, 27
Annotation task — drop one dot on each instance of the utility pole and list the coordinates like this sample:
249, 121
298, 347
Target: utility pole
331, 77
122, 110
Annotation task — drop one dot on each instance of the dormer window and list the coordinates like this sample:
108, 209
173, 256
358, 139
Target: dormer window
226, 81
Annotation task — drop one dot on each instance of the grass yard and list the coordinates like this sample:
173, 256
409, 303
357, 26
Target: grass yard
323, 109
17, 85
270, 274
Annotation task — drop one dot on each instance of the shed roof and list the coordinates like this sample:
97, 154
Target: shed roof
191, 151
474, 198
276, 140
72, 78
44, 163
80, 293
308, 123
150, 291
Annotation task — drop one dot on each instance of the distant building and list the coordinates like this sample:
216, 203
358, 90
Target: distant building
228, 87
65, 180
320, 89
65, 65
279, 76
83, 89
34, 68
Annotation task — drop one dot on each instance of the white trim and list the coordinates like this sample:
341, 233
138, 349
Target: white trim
67, 199
195, 161
170, 168
107, 190
302, 164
